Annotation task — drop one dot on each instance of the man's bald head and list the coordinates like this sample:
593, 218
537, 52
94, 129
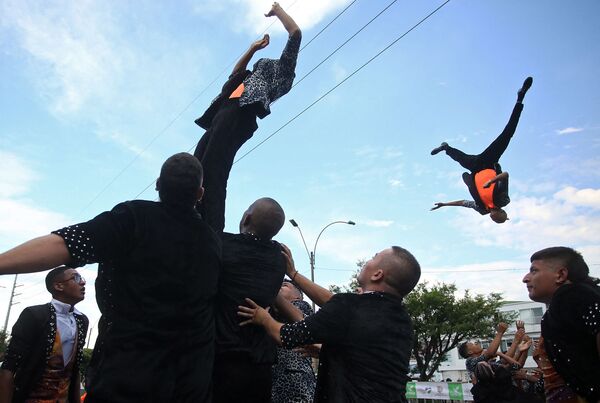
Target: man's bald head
392, 270
264, 218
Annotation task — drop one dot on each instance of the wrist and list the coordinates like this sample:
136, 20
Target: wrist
293, 276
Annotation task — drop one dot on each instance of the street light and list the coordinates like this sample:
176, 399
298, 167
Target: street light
311, 255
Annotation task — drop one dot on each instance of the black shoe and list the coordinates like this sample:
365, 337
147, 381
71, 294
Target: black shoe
526, 86
442, 147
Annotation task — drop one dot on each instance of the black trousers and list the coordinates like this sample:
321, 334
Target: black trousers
175, 372
231, 127
491, 155
237, 379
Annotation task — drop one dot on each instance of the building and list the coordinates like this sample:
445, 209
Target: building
529, 312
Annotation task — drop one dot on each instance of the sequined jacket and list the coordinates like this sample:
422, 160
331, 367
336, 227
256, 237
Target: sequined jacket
30, 347
269, 80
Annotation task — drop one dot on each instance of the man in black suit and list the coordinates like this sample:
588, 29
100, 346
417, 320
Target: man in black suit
43, 357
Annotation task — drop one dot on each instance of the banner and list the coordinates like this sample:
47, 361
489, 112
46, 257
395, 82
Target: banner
439, 391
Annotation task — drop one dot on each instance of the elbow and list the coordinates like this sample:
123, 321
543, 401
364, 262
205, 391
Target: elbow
295, 33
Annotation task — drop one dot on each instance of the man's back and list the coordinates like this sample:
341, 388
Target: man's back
367, 341
251, 268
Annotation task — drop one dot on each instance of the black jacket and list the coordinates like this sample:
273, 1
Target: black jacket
31, 344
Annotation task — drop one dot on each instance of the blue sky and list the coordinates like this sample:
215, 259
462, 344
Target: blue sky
86, 87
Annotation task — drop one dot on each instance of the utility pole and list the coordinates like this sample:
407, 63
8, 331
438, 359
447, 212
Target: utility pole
10, 303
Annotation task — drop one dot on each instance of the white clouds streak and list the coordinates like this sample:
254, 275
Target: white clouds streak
569, 130
580, 197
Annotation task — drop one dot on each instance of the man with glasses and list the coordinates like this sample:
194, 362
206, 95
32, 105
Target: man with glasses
157, 279
45, 351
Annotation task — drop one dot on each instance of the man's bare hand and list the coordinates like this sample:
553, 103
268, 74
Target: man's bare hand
520, 324
437, 206
290, 269
524, 345
275, 8
253, 313
261, 43
487, 184
502, 327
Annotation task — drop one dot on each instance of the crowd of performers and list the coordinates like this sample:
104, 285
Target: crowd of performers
183, 302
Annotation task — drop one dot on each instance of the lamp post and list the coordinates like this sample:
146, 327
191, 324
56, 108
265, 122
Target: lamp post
312, 254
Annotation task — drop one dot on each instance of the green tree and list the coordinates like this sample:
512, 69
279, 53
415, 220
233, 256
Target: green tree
3, 344
441, 321
353, 285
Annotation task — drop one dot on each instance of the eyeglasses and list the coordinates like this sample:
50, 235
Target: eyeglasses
76, 277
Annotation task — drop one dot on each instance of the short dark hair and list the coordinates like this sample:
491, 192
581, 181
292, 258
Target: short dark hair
179, 181
579, 272
405, 273
52, 277
268, 217
463, 350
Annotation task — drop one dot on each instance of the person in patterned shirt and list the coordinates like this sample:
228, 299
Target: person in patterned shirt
293, 377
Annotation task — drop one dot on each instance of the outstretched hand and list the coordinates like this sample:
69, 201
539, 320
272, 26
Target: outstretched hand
524, 345
437, 206
487, 184
261, 43
254, 314
289, 261
275, 8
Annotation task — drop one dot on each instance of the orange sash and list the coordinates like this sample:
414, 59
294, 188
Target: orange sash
486, 195
237, 92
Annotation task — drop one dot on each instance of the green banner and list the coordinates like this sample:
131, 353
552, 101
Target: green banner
411, 390
455, 391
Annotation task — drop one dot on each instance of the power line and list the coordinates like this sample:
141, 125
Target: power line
168, 126
344, 80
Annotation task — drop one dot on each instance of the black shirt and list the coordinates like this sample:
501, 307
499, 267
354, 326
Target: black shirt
570, 327
252, 268
158, 271
367, 340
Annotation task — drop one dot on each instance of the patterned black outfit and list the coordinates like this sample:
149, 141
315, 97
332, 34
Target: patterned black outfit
31, 344
251, 267
293, 378
367, 340
156, 282
570, 327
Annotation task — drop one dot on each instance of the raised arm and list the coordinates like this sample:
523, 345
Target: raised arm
493, 347
319, 295
256, 315
247, 56
39, 254
288, 23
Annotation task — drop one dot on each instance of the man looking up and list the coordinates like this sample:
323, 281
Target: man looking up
46, 346
474, 353
569, 350
157, 278
367, 338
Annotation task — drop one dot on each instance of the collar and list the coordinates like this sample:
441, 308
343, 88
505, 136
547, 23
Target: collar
62, 308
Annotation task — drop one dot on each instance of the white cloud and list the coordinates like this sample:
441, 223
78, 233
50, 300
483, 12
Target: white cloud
306, 13
537, 223
92, 64
15, 175
580, 197
377, 223
569, 130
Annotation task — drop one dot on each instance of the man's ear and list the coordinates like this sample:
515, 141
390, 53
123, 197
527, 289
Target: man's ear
200, 193
562, 275
377, 276
157, 188
58, 287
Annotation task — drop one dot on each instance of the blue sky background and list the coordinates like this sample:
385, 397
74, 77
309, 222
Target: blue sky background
86, 86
